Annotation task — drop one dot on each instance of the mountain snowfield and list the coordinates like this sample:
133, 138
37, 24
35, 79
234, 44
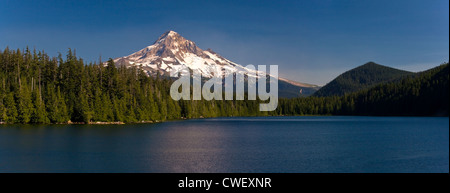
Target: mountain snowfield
172, 52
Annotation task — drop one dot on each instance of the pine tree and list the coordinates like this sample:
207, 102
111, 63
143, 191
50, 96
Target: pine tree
62, 115
10, 109
39, 114
25, 105
2, 107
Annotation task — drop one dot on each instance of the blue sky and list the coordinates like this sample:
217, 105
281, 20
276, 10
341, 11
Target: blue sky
311, 41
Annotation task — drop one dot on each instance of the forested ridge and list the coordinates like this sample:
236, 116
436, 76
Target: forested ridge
36, 88
421, 94
361, 77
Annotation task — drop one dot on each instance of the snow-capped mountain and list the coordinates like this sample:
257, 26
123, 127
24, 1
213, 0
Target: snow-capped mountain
171, 50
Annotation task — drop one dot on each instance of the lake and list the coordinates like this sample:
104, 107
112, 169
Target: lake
257, 144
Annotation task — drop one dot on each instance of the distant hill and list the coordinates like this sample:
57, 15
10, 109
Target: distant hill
425, 94
419, 94
359, 78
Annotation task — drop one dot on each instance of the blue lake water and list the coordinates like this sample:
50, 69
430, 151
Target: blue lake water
256, 144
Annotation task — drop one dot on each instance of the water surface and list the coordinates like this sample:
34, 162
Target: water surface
257, 144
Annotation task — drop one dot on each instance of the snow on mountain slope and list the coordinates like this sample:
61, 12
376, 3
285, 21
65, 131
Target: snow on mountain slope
172, 51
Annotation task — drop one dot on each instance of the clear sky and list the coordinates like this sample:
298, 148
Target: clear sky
311, 41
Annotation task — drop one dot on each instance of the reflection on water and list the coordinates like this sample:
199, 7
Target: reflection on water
260, 144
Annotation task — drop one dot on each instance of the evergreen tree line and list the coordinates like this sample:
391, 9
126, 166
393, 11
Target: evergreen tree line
36, 88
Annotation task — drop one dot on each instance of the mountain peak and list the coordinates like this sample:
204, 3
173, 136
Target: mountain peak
168, 35
171, 50
171, 32
370, 63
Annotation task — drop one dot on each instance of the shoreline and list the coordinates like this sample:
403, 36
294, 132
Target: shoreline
184, 118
